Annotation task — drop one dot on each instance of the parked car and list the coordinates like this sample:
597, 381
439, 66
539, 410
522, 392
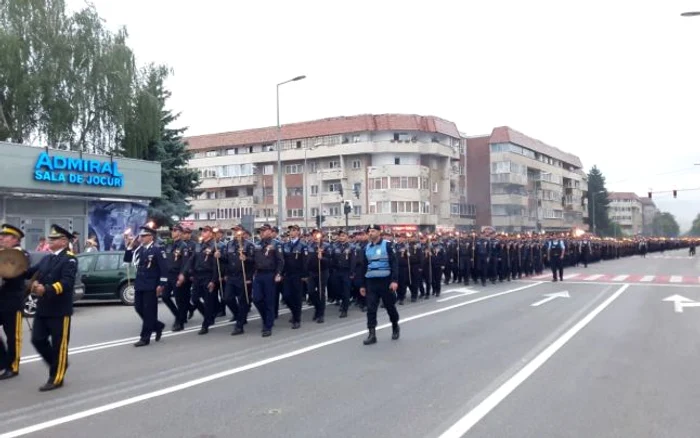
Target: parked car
106, 277
30, 302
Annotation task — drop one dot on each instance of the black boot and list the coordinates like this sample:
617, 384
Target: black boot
395, 331
371, 338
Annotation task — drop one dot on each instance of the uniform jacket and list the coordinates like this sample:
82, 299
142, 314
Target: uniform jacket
152, 269
57, 273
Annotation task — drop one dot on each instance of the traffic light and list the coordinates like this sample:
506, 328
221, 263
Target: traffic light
675, 193
356, 190
319, 220
347, 209
340, 190
649, 195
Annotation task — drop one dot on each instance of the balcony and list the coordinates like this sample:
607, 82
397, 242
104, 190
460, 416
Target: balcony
398, 170
331, 174
211, 204
509, 199
330, 198
399, 195
401, 219
229, 181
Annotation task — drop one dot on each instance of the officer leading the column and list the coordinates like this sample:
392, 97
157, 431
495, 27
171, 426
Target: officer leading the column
381, 281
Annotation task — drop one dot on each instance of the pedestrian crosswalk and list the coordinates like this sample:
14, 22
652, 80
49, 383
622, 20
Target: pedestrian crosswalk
673, 257
625, 278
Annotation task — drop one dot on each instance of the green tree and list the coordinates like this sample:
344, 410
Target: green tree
64, 79
665, 225
149, 136
695, 228
598, 201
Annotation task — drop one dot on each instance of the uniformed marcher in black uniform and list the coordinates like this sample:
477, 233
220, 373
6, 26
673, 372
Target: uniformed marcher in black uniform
269, 267
178, 253
151, 280
11, 301
295, 273
341, 266
53, 279
318, 266
239, 267
381, 280
201, 267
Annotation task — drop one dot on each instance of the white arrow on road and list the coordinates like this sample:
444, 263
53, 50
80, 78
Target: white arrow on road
681, 302
550, 297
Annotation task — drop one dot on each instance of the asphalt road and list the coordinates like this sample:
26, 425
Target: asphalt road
527, 358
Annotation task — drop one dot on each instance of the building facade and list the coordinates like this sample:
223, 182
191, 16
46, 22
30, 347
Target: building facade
405, 172
518, 183
626, 209
649, 212
94, 195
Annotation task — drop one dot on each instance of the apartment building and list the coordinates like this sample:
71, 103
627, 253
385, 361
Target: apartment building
626, 209
518, 183
649, 212
405, 172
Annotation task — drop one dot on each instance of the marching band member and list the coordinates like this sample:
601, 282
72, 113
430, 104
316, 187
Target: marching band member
53, 282
11, 301
269, 266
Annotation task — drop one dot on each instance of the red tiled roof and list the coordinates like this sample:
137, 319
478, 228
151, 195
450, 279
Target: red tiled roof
505, 134
323, 127
622, 195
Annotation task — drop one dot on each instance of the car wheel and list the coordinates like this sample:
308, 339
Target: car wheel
127, 294
30, 303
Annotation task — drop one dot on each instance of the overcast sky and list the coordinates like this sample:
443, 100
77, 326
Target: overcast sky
615, 82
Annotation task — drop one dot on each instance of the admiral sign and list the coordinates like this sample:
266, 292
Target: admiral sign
58, 169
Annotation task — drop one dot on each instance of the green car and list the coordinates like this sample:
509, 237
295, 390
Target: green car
106, 276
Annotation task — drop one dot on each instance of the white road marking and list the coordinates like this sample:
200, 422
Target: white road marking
676, 279
230, 372
647, 278
620, 278
594, 277
463, 426
127, 341
569, 276
461, 293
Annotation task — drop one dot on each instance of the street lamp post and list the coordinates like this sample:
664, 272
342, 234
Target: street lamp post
279, 151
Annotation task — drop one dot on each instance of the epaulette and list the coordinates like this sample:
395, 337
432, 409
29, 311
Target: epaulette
70, 253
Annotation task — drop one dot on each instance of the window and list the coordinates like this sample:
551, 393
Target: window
397, 160
356, 164
435, 187
335, 187
405, 207
314, 211
265, 213
268, 169
295, 213
314, 190
295, 191
231, 193
383, 207
108, 262
356, 138
85, 263
334, 164
313, 166
357, 210
248, 191
267, 191
293, 169
357, 187
379, 183
404, 182
298, 144
233, 151
333, 211
210, 154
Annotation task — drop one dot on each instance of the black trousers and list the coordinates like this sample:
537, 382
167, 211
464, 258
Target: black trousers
317, 292
557, 265
206, 302
11, 323
378, 288
293, 294
50, 337
146, 306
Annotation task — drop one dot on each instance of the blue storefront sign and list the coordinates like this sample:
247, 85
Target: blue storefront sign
58, 169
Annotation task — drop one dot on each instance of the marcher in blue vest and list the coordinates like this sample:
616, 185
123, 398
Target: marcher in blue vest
381, 280
556, 249
151, 280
